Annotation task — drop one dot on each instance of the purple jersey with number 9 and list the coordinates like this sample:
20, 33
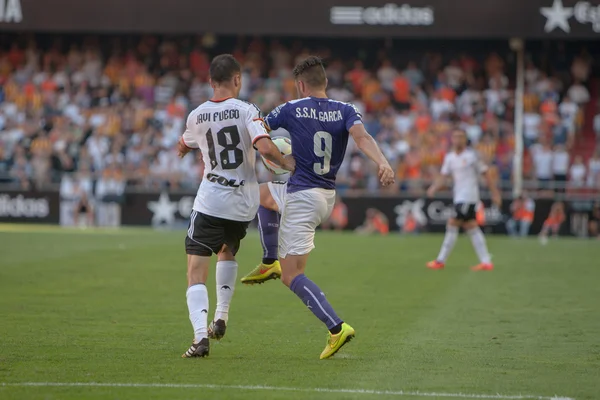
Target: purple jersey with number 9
319, 132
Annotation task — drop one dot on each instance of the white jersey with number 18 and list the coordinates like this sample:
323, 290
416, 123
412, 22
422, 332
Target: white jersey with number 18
465, 168
225, 132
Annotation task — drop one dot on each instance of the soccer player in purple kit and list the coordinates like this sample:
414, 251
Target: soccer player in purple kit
319, 130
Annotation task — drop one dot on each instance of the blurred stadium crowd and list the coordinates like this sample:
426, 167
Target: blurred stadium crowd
109, 110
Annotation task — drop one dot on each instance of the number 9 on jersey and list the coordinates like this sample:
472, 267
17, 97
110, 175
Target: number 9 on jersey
285, 147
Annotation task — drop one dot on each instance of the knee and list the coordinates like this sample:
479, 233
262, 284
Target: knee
471, 225
452, 227
287, 277
225, 254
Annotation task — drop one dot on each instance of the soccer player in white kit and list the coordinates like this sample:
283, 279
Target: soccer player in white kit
227, 131
464, 166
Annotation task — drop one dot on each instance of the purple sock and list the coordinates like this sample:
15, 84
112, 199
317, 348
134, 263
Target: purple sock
315, 300
268, 226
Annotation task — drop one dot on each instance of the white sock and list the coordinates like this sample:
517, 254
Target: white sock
448, 244
226, 277
479, 245
197, 301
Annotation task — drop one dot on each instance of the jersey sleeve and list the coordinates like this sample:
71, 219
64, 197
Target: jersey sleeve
352, 116
276, 118
446, 166
255, 124
188, 138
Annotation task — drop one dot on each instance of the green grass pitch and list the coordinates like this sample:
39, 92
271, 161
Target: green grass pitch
93, 310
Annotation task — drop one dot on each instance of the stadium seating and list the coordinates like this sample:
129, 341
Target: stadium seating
113, 107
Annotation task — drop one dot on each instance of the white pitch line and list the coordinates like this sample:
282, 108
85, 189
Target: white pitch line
289, 389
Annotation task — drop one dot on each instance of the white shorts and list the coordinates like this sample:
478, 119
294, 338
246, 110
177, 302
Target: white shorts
301, 213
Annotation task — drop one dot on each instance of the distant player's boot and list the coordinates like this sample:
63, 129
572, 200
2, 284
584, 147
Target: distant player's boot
198, 349
335, 342
216, 329
435, 264
263, 273
483, 267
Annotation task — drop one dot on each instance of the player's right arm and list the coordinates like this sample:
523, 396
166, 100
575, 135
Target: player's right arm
187, 142
263, 144
369, 147
276, 118
269, 151
440, 180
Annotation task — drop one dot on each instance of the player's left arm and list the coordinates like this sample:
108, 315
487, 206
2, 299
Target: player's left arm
187, 142
490, 179
365, 142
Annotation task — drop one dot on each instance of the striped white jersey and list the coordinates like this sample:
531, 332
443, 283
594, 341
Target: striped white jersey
225, 132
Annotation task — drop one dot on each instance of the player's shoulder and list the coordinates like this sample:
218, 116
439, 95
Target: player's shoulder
283, 107
450, 155
472, 153
193, 115
345, 105
246, 105
199, 109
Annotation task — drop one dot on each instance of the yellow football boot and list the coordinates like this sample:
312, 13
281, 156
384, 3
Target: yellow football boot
263, 273
335, 342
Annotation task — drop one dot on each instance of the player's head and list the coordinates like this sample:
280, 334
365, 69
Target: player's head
226, 72
459, 139
310, 76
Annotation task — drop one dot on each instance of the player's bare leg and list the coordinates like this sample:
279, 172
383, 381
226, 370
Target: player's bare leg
292, 275
226, 276
447, 245
268, 228
197, 301
478, 240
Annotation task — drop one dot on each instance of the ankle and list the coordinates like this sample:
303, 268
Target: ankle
336, 329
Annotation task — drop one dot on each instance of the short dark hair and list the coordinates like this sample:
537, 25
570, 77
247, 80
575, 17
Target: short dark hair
312, 72
223, 68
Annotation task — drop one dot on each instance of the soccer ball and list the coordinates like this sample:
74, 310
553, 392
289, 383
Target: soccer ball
285, 147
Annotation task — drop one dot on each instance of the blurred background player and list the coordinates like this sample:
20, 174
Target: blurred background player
375, 223
522, 213
227, 131
553, 222
339, 216
319, 130
83, 215
463, 164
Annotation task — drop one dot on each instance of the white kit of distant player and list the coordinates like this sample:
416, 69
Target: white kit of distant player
465, 167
